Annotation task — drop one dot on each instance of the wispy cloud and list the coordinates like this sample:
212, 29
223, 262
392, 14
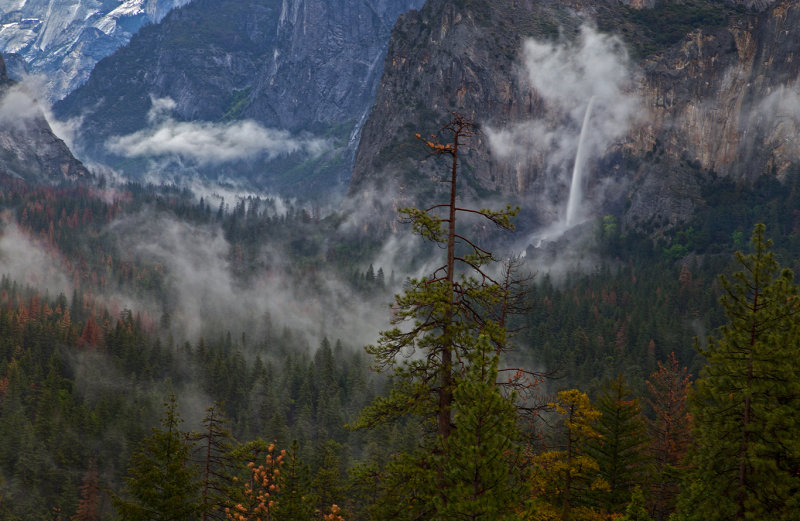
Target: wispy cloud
778, 116
26, 102
567, 76
209, 143
18, 107
205, 292
27, 261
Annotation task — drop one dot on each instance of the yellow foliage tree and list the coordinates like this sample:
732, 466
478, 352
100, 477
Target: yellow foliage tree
561, 475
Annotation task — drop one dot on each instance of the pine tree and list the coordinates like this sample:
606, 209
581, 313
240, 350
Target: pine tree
635, 511
161, 485
295, 503
213, 448
90, 496
620, 451
257, 499
746, 404
327, 484
442, 310
480, 456
438, 322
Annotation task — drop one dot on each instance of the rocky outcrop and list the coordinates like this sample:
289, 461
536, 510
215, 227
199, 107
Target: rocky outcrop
722, 101
28, 148
15, 66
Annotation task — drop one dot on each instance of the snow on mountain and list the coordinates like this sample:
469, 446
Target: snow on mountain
62, 40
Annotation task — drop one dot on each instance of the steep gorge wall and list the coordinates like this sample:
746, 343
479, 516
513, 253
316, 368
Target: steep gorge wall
721, 101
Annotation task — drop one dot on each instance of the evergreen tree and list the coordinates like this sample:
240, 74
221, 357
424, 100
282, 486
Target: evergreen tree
257, 498
442, 311
213, 448
438, 320
327, 484
635, 511
481, 455
620, 451
6, 513
746, 404
295, 503
161, 485
90, 496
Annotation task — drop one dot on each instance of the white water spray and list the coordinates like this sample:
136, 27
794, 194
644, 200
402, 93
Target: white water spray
576, 187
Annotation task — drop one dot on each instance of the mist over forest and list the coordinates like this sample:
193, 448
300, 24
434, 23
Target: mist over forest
510, 260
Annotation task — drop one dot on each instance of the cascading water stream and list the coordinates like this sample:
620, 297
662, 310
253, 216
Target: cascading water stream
576, 186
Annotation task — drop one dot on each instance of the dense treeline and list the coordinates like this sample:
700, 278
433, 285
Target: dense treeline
82, 380
74, 393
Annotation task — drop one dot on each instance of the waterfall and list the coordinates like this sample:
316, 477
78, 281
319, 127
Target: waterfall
576, 187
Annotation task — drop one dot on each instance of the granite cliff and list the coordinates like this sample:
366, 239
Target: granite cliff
62, 40
301, 73
715, 89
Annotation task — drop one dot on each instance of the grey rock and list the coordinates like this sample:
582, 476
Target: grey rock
29, 149
62, 40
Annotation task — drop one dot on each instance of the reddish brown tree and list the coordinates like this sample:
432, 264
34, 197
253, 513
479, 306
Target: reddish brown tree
92, 335
670, 432
90, 496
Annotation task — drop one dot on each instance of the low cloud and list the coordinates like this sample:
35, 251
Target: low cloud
228, 192
779, 116
209, 143
204, 292
19, 106
591, 74
160, 108
568, 76
27, 261
782, 105
26, 102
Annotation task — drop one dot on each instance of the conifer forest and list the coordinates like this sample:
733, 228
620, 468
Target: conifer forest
399, 260
493, 392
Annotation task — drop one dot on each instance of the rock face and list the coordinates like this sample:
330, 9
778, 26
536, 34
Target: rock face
722, 100
28, 148
306, 67
63, 39
725, 100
